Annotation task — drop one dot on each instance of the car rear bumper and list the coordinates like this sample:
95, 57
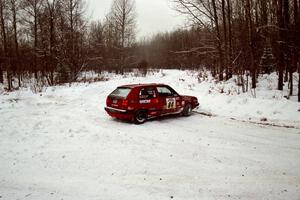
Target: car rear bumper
119, 113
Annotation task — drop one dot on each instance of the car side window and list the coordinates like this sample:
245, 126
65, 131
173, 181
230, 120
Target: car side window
147, 93
164, 91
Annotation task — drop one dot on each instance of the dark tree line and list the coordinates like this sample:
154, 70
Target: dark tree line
241, 37
41, 39
52, 41
236, 36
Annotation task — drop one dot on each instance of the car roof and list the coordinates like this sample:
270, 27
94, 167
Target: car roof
143, 85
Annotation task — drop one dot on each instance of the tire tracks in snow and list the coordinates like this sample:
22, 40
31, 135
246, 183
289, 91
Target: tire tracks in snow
273, 124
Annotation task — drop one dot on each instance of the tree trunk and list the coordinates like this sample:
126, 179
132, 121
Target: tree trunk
251, 42
72, 53
16, 64
281, 39
296, 42
1, 75
288, 64
5, 47
225, 39
286, 74
219, 42
229, 40
264, 13
35, 41
51, 8
298, 82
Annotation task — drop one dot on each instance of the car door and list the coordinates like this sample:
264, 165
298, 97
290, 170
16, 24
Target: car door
168, 99
148, 100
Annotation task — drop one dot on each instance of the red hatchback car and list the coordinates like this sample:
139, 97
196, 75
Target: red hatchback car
140, 102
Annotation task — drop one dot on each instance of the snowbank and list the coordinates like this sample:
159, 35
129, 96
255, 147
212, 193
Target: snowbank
226, 98
223, 99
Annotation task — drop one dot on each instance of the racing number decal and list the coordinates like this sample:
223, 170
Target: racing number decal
171, 103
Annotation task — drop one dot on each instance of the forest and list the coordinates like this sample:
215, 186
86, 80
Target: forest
53, 41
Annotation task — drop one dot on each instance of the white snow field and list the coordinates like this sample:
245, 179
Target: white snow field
61, 145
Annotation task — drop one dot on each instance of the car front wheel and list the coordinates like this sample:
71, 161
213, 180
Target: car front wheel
187, 111
140, 117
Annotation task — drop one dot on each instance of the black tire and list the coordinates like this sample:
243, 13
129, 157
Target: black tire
187, 111
140, 117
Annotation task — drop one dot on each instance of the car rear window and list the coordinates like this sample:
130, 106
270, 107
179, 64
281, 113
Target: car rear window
120, 92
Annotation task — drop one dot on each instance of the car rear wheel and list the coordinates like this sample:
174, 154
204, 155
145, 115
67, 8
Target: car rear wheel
140, 117
187, 111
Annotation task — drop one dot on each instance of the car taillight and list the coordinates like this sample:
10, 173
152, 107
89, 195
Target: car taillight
125, 103
155, 101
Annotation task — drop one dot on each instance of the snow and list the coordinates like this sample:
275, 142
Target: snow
62, 145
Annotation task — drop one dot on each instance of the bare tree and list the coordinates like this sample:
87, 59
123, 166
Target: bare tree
225, 36
97, 54
14, 7
297, 41
207, 15
73, 33
6, 56
52, 10
33, 9
219, 39
280, 22
3, 39
249, 25
230, 39
123, 16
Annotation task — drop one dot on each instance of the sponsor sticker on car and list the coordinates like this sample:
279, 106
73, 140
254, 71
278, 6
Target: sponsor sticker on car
145, 101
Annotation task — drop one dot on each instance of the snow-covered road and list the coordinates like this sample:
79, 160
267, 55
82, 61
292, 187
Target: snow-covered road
62, 145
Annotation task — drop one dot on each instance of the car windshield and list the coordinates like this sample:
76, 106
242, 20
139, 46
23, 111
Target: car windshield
120, 92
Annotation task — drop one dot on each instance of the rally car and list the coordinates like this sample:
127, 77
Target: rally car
140, 102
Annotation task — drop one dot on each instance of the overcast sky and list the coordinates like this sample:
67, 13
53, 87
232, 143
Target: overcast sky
153, 15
